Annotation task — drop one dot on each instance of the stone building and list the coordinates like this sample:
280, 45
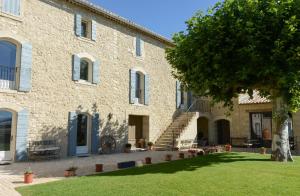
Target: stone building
74, 73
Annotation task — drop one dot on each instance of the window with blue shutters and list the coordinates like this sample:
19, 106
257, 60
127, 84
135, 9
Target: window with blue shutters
12, 7
139, 46
15, 75
86, 69
139, 87
85, 28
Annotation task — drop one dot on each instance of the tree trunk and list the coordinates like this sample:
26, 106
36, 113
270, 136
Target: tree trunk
280, 143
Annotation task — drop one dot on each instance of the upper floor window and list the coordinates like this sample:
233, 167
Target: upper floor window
11, 7
86, 68
139, 87
139, 47
85, 27
15, 65
8, 52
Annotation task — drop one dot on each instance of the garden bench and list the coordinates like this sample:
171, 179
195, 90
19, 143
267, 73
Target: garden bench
44, 149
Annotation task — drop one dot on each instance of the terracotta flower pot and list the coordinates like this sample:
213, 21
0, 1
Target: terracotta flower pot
69, 173
228, 148
28, 178
148, 160
181, 155
99, 167
168, 157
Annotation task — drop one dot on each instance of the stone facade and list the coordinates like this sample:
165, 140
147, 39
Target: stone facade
49, 26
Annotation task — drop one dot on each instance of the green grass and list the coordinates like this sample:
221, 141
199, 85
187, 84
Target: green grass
216, 174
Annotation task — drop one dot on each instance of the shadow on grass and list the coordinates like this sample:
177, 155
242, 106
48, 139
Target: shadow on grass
186, 164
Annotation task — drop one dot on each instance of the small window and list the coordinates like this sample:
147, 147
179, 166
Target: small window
85, 70
138, 46
138, 86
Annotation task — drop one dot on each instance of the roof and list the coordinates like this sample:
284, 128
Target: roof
245, 99
114, 17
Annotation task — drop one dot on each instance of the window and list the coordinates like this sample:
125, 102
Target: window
138, 85
181, 95
84, 70
139, 89
84, 29
139, 47
261, 125
8, 52
11, 7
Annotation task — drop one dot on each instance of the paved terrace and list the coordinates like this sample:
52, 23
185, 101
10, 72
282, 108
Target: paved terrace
11, 176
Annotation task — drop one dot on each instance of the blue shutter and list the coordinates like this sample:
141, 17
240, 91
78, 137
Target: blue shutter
11, 7
22, 134
95, 133
138, 46
96, 72
178, 94
76, 67
132, 85
147, 89
72, 134
94, 30
78, 24
25, 69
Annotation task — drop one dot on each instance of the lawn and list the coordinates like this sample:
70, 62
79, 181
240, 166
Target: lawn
216, 174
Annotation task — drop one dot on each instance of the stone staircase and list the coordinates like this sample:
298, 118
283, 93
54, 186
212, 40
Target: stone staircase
165, 140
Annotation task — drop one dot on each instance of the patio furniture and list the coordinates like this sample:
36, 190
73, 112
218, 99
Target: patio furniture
43, 149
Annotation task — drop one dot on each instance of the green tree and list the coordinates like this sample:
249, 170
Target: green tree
241, 46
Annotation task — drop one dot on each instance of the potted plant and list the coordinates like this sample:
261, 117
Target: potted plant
168, 157
150, 145
71, 171
148, 160
228, 148
99, 167
181, 155
263, 150
127, 148
28, 176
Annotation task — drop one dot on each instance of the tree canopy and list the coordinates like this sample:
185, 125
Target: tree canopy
240, 46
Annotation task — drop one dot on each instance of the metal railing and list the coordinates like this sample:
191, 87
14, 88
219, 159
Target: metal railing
7, 77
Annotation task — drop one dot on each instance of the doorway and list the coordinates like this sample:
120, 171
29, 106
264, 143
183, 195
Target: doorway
83, 133
5, 135
202, 131
138, 133
223, 131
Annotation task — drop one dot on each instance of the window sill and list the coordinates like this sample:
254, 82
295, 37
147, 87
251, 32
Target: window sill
83, 82
13, 17
138, 104
87, 40
9, 91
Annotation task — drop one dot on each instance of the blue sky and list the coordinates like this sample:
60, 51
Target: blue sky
161, 16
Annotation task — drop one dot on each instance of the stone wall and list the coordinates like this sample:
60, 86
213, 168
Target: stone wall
49, 26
